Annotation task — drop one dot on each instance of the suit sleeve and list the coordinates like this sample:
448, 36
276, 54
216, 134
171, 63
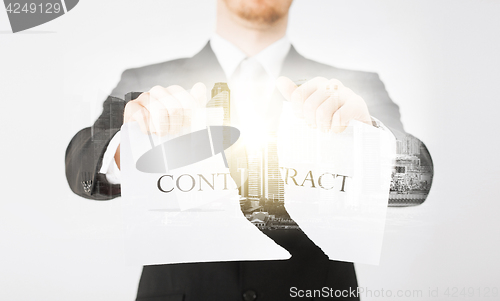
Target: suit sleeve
384, 109
380, 105
85, 151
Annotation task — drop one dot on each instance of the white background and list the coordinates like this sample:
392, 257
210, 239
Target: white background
439, 60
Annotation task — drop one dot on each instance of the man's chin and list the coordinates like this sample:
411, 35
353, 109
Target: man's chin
259, 13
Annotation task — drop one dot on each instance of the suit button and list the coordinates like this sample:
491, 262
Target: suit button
249, 295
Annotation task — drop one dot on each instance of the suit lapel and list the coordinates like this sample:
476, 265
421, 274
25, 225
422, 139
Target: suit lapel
204, 67
294, 65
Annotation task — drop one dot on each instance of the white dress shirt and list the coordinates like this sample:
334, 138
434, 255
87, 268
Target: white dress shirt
230, 58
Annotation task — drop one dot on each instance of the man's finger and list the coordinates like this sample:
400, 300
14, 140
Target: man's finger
158, 92
158, 118
184, 97
303, 92
343, 116
134, 111
134, 106
199, 92
336, 96
151, 114
187, 101
175, 113
315, 102
325, 111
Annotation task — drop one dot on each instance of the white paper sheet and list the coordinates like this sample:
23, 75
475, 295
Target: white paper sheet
340, 199
192, 226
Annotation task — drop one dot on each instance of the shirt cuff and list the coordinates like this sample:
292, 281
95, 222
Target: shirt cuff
109, 167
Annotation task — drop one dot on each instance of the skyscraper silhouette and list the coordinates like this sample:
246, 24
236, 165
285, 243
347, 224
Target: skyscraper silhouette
220, 99
275, 190
261, 177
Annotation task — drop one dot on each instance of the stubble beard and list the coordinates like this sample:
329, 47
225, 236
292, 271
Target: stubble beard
258, 12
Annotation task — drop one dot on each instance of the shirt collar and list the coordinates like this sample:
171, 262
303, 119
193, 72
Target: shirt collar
230, 56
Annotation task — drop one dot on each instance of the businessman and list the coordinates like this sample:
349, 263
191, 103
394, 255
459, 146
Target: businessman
249, 49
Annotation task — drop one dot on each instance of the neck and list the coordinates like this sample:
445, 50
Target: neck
249, 37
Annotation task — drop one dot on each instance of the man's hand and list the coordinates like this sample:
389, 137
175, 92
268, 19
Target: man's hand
164, 111
324, 104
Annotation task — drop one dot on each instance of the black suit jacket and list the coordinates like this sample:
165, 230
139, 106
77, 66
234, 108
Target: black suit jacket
309, 268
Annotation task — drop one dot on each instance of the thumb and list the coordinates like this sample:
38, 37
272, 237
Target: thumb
286, 86
199, 92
